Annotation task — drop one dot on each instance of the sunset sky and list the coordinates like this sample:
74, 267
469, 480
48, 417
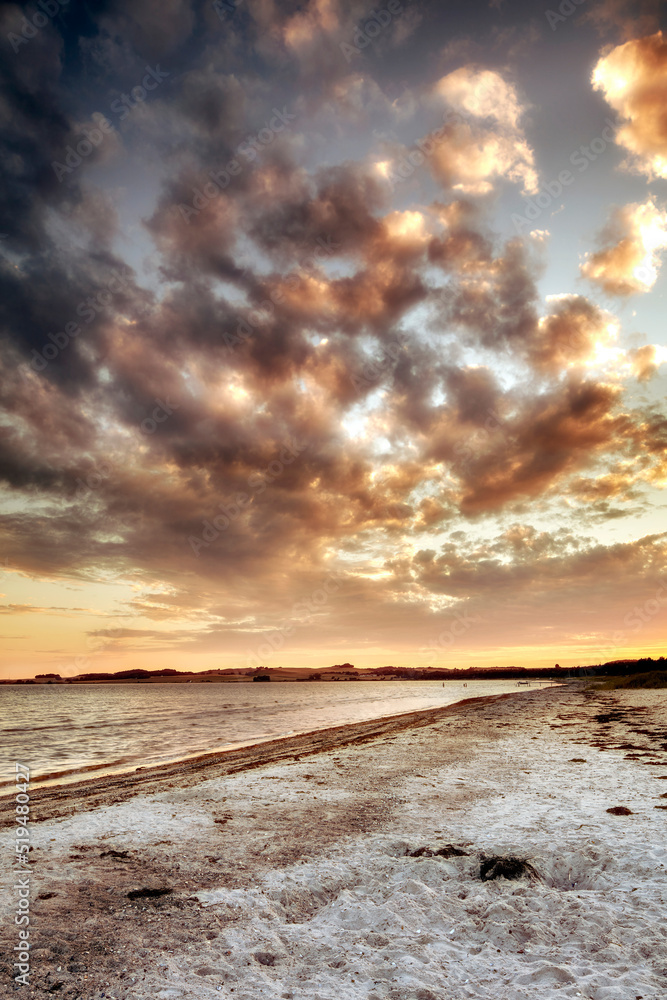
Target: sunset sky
332, 337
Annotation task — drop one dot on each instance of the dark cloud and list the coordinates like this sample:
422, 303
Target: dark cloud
498, 304
151, 30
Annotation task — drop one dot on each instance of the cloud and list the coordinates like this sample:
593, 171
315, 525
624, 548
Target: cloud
19, 609
483, 93
300, 30
646, 360
633, 18
320, 39
472, 159
633, 79
152, 30
630, 261
289, 210
494, 301
29, 609
530, 445
464, 245
531, 579
575, 332
497, 304
483, 141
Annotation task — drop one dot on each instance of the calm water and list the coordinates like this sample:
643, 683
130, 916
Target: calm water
64, 733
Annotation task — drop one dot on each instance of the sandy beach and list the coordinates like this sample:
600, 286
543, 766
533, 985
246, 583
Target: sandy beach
347, 863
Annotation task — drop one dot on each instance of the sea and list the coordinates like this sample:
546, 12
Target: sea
65, 733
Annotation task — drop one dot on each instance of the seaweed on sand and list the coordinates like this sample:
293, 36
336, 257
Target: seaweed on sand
445, 851
148, 893
499, 866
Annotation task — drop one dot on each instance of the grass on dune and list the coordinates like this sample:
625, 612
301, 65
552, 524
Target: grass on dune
654, 679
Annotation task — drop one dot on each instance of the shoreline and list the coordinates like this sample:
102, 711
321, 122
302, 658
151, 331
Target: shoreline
55, 800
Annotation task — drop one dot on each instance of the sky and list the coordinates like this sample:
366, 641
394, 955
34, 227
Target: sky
332, 333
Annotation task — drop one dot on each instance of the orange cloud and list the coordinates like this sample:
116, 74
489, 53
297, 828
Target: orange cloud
302, 28
633, 80
484, 141
629, 264
646, 360
574, 332
482, 93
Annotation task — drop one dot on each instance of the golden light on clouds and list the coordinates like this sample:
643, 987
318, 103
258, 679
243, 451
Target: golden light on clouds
633, 80
630, 262
483, 94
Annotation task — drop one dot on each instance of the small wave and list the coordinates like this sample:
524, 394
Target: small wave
57, 724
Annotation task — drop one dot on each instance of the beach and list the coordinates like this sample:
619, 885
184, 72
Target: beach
346, 863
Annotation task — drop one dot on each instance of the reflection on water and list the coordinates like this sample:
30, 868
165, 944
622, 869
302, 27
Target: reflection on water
65, 732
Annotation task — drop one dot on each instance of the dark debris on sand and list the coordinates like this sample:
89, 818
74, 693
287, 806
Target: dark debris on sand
508, 867
148, 893
446, 851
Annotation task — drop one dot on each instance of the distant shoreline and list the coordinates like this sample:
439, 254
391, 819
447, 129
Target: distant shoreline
279, 680
347, 672
280, 676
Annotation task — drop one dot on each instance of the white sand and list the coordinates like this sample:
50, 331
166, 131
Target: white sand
313, 877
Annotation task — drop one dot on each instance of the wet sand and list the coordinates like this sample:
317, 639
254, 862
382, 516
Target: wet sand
284, 870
